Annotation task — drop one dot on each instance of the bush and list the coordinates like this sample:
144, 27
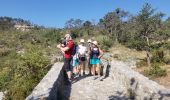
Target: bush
29, 70
137, 44
156, 71
105, 42
141, 63
4, 78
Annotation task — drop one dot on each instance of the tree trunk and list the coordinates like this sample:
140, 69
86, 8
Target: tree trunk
115, 33
148, 59
148, 53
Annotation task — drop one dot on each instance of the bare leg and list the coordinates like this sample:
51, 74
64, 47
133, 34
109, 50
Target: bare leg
83, 65
69, 74
79, 69
98, 67
94, 69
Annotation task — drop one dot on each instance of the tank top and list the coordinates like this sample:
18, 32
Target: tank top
95, 53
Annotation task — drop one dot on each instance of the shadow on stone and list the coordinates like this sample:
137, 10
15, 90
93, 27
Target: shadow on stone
119, 96
67, 88
164, 96
79, 78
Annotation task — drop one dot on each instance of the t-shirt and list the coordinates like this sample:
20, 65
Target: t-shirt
106, 56
82, 50
70, 45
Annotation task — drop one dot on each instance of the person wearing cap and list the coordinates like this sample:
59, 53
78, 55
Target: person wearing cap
75, 62
82, 56
67, 50
95, 55
89, 45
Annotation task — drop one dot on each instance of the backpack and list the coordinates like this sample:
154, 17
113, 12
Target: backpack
82, 57
74, 50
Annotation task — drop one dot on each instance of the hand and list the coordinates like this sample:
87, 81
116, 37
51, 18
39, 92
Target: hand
59, 46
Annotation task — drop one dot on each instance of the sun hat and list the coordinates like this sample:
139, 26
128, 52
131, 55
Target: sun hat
95, 43
82, 40
89, 40
68, 36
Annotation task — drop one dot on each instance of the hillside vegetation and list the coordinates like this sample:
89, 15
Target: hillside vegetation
25, 55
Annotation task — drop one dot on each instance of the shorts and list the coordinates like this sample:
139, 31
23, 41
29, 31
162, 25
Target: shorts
67, 64
75, 62
94, 61
83, 58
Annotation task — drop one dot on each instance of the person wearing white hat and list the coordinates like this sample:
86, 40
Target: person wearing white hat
82, 56
95, 55
89, 45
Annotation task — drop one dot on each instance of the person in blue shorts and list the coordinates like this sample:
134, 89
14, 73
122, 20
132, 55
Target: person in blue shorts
95, 55
75, 62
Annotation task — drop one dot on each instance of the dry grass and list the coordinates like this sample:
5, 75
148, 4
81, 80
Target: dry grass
123, 53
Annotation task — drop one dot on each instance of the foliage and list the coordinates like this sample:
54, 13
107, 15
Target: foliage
105, 42
156, 71
24, 55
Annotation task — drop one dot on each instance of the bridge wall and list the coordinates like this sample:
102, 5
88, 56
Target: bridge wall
51, 86
138, 86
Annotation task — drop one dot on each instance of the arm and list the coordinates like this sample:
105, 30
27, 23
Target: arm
89, 51
63, 49
101, 53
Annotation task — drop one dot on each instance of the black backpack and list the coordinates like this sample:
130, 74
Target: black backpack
74, 50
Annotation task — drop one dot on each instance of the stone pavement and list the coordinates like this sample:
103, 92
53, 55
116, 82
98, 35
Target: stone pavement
122, 84
89, 89
86, 88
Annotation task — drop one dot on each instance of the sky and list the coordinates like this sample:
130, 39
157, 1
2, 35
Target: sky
54, 13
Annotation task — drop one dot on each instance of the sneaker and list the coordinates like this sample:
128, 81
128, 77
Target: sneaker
70, 80
101, 79
95, 77
89, 74
84, 73
78, 75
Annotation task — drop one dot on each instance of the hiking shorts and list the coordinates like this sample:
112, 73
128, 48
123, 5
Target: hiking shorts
75, 62
94, 61
67, 64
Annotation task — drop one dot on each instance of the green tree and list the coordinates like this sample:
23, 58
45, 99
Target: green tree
88, 26
113, 21
147, 22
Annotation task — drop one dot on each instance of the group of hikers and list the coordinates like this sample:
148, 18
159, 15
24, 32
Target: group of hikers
77, 55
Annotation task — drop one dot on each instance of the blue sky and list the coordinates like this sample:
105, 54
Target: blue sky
54, 13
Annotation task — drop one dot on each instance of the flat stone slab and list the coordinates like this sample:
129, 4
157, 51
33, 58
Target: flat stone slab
86, 88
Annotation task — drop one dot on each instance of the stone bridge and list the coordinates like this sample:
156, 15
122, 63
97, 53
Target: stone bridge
122, 83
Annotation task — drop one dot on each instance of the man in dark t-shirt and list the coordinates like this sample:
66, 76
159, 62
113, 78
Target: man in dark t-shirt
67, 50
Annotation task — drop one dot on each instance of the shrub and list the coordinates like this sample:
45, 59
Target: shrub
28, 72
156, 71
4, 78
105, 42
141, 63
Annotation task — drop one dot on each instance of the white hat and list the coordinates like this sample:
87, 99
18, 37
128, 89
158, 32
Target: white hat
68, 36
82, 40
95, 42
89, 40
